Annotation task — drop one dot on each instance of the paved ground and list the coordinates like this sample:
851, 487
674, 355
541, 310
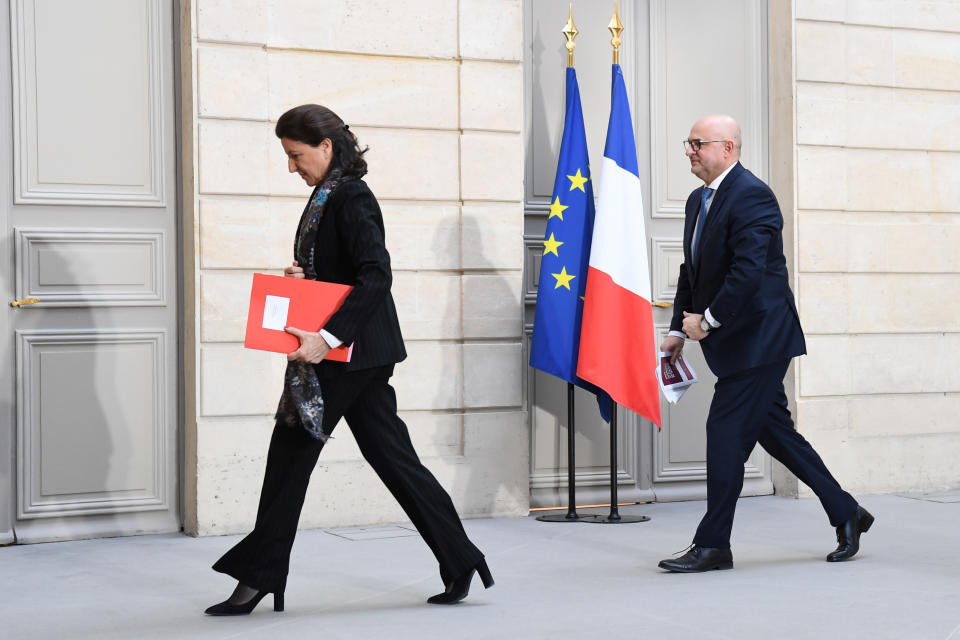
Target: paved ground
566, 581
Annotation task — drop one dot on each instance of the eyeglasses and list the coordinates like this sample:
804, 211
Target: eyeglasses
696, 144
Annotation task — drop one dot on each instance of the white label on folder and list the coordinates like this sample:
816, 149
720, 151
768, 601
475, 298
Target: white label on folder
275, 312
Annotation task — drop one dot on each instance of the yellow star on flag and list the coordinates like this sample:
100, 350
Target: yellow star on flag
550, 246
577, 182
563, 278
556, 209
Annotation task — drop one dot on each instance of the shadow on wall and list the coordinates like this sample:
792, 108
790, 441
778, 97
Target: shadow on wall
493, 440
66, 440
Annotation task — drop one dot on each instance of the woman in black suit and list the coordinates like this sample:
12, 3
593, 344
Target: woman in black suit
340, 239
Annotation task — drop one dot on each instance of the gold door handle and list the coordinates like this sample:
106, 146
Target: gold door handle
662, 305
24, 302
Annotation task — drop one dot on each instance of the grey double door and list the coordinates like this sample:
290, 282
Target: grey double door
88, 239
682, 59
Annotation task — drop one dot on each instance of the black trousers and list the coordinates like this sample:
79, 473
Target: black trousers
369, 404
750, 407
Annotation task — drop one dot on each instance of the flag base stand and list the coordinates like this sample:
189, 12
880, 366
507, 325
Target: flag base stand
618, 519
569, 517
614, 516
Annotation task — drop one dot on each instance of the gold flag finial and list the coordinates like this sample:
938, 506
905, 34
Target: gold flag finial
616, 28
570, 31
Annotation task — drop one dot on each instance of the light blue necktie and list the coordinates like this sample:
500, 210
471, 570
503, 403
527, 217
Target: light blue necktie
701, 220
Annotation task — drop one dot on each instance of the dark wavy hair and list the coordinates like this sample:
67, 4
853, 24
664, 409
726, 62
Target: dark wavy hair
312, 124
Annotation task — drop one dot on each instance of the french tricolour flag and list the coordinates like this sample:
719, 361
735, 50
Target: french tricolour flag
617, 343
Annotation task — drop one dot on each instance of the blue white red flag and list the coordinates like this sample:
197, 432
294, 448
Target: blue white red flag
617, 343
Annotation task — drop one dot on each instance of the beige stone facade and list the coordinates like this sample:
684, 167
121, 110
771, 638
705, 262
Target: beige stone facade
434, 87
871, 103
878, 233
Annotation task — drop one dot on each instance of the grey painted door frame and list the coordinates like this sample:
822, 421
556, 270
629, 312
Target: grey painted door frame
89, 418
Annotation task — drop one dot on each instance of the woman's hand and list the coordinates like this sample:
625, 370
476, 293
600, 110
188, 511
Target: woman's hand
313, 348
293, 271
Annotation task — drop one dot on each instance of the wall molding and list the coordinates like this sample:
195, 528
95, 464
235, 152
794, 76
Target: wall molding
664, 278
532, 257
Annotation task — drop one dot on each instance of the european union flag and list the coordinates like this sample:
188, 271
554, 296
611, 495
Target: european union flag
566, 255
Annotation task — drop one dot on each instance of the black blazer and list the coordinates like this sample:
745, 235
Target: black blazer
741, 275
351, 250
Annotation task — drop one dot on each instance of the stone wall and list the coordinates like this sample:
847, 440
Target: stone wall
434, 87
878, 244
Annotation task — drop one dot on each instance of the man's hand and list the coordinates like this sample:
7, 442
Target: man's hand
313, 348
672, 345
691, 326
293, 271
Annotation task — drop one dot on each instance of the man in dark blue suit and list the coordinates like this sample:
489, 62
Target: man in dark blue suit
733, 296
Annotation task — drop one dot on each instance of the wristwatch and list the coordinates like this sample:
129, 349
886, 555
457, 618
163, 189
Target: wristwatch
705, 326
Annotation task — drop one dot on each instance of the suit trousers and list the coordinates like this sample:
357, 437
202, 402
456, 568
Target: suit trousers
750, 407
369, 404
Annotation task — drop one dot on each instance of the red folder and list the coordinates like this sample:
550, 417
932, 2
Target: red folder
292, 302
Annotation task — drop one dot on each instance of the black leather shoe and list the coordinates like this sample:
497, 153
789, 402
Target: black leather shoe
848, 535
699, 559
458, 589
227, 608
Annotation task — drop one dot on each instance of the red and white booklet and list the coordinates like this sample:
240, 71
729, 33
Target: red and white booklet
277, 302
675, 378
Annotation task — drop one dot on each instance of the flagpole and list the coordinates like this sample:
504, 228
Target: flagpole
571, 515
614, 509
614, 517
570, 32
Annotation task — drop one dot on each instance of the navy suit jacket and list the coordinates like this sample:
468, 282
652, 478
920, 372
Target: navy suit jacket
351, 249
741, 275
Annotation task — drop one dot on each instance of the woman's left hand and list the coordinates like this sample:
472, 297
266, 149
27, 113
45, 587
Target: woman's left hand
313, 348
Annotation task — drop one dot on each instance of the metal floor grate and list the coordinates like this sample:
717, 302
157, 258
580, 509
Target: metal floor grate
378, 532
942, 496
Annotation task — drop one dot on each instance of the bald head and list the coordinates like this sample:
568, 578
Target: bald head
721, 126
721, 146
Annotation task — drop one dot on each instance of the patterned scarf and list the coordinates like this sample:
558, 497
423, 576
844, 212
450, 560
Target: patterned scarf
302, 403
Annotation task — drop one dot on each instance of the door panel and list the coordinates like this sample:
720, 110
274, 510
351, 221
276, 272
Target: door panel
679, 470
706, 56
677, 70
91, 425
102, 62
87, 268
89, 215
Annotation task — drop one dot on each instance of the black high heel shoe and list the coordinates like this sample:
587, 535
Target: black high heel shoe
227, 608
460, 587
